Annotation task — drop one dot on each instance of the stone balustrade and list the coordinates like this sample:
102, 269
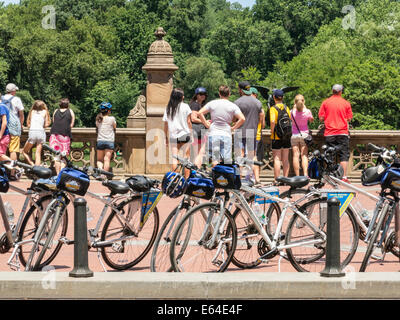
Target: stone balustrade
130, 155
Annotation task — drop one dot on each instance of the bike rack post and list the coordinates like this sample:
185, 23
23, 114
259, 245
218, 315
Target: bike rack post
81, 266
332, 266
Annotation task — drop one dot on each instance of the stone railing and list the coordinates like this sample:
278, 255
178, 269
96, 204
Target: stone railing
130, 155
360, 157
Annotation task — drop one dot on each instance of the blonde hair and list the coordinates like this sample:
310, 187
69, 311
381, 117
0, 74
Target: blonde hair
297, 99
38, 105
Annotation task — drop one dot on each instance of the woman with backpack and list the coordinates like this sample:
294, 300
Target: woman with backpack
105, 126
301, 117
178, 125
60, 133
38, 120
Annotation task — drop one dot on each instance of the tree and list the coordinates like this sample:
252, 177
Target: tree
200, 72
240, 44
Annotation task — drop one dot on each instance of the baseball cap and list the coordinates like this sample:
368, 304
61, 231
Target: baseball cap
11, 87
337, 88
245, 87
200, 90
254, 91
278, 93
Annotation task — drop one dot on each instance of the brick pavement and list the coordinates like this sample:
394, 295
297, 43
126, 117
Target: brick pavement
64, 260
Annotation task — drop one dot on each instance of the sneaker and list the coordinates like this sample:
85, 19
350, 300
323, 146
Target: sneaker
345, 179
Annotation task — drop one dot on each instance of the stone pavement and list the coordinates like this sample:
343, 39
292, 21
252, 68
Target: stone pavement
64, 260
273, 280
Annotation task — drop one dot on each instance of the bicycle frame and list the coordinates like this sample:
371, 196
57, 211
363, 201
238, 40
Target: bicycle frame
286, 205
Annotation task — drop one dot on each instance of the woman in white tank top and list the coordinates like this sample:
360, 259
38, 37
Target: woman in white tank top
38, 120
106, 126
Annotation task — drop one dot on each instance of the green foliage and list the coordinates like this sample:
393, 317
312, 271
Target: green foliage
99, 47
200, 72
365, 60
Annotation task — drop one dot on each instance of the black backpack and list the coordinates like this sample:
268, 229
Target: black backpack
283, 127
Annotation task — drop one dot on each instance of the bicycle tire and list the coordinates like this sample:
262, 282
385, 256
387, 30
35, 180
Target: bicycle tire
28, 231
247, 250
372, 240
57, 218
160, 261
144, 242
187, 251
310, 258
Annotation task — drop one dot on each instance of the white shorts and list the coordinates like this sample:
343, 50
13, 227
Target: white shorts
36, 136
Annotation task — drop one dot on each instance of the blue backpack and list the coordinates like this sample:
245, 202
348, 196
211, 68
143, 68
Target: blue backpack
14, 123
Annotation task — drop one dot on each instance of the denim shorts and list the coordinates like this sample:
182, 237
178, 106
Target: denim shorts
105, 145
220, 148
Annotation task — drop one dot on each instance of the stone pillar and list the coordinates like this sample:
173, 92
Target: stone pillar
160, 69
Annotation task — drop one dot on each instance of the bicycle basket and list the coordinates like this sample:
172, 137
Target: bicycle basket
314, 171
4, 182
226, 176
200, 188
73, 180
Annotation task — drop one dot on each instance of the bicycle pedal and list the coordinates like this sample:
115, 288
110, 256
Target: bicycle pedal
66, 241
262, 261
217, 263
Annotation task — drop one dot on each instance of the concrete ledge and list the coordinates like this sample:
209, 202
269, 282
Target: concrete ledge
57, 285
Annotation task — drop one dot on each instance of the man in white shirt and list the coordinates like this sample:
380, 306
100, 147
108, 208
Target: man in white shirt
18, 109
223, 113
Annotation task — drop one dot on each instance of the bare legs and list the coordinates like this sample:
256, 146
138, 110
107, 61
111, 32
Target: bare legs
104, 159
300, 151
281, 158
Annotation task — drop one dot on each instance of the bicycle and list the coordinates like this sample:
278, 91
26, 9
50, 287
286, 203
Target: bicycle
130, 214
386, 173
209, 236
330, 173
160, 258
19, 235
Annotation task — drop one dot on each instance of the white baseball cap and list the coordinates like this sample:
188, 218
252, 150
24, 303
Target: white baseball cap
11, 87
337, 88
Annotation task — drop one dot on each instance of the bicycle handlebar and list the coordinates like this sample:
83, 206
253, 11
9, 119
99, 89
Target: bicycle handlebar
246, 161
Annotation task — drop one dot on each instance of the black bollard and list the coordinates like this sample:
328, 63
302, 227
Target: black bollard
332, 266
81, 265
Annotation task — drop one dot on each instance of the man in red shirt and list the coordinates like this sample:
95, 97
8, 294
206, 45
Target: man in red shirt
336, 113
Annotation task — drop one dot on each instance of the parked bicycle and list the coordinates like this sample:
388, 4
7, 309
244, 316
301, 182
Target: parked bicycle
174, 186
124, 239
215, 240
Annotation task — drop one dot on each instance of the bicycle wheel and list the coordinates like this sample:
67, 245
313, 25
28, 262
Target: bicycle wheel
191, 250
311, 257
160, 261
372, 241
29, 227
128, 243
250, 244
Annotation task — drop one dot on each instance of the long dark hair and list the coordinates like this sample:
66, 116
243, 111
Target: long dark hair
174, 102
101, 116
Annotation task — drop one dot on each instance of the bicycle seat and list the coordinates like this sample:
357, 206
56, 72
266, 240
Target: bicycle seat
294, 182
41, 172
117, 187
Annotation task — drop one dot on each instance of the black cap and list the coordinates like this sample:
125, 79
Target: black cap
245, 86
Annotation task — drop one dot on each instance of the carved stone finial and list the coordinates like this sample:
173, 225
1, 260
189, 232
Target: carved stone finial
160, 33
160, 56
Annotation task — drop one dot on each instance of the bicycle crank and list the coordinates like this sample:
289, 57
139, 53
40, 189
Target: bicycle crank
264, 251
5, 245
